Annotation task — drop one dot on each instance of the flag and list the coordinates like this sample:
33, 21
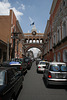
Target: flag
32, 23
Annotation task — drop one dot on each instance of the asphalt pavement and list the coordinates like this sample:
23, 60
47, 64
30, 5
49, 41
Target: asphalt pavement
34, 88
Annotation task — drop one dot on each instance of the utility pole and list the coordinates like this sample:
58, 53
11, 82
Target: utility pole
8, 49
15, 36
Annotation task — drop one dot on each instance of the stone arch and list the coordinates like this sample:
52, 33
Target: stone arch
34, 46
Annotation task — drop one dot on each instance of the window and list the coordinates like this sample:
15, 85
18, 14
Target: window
58, 34
58, 57
26, 41
48, 47
40, 41
51, 43
65, 55
58, 67
10, 75
30, 41
63, 3
2, 76
54, 57
34, 41
55, 39
64, 29
37, 40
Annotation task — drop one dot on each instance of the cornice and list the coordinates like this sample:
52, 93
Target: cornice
53, 6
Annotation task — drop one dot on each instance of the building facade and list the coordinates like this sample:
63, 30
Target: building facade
8, 26
55, 42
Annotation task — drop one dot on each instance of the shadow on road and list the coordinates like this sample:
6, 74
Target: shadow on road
19, 92
56, 86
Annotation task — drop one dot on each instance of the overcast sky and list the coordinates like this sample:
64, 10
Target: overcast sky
27, 12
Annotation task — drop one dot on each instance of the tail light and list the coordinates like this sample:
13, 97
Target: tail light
39, 67
49, 75
28, 62
20, 67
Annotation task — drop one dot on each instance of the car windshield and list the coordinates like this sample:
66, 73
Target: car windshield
2, 74
26, 60
57, 68
42, 63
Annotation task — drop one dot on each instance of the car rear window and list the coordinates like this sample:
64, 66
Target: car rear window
42, 63
2, 76
57, 68
26, 60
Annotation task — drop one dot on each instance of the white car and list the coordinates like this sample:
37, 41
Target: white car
41, 66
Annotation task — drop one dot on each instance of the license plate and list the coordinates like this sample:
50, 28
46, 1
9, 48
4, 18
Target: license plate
60, 76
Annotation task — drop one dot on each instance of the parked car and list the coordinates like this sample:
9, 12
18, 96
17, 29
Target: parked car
41, 66
10, 83
17, 66
23, 64
55, 74
37, 61
5, 63
28, 61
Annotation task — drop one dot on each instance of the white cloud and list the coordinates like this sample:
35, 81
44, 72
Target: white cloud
22, 6
5, 7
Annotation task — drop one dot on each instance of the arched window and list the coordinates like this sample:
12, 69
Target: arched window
34, 41
26, 40
30, 40
41, 40
37, 40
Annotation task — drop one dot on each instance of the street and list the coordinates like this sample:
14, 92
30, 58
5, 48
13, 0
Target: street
35, 89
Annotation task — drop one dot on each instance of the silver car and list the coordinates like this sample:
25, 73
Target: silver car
55, 74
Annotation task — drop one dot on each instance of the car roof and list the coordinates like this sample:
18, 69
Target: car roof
57, 63
14, 63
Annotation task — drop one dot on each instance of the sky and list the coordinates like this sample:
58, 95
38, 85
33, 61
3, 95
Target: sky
27, 12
